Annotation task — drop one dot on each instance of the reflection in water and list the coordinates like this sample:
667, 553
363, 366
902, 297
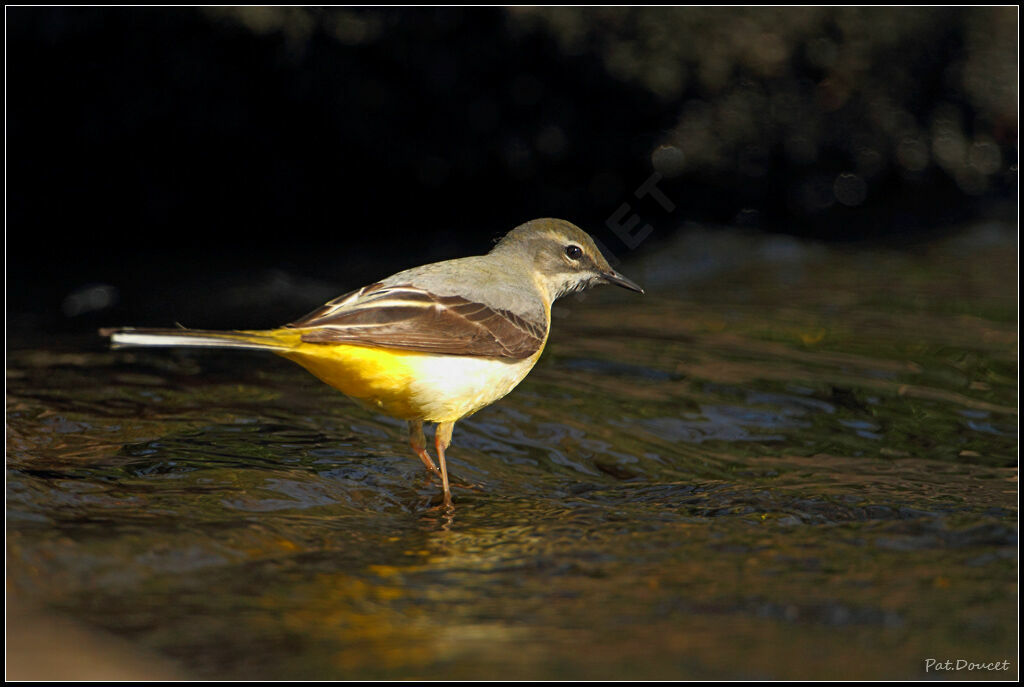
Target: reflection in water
759, 477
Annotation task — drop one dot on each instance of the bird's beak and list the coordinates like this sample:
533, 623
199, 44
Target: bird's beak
613, 277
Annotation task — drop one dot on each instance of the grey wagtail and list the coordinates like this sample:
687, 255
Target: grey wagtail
434, 343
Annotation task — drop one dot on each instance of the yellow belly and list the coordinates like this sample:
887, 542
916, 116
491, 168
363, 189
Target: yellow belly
411, 385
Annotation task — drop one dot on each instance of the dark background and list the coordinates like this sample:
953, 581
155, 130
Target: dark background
235, 167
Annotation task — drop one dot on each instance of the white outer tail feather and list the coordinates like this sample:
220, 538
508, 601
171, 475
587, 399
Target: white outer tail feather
130, 338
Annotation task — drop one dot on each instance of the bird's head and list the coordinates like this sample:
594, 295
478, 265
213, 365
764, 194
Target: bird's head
563, 257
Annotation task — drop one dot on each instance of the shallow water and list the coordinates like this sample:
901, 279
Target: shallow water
785, 461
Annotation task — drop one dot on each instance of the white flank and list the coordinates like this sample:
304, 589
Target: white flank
448, 387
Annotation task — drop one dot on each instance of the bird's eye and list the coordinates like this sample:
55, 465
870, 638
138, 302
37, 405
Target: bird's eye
574, 252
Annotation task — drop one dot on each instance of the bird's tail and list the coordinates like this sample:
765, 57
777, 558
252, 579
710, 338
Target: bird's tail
277, 340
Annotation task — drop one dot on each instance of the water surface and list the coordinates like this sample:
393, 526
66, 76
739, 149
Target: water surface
787, 461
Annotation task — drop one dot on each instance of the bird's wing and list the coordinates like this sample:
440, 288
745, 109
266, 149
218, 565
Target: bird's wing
412, 318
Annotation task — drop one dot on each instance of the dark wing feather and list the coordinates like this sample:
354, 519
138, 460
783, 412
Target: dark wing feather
410, 318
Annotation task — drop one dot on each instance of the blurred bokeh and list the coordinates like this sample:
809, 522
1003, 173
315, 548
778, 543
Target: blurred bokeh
231, 166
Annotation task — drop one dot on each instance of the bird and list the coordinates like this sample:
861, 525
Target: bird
434, 343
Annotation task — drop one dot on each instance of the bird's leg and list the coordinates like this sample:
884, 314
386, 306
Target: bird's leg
442, 440
419, 445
